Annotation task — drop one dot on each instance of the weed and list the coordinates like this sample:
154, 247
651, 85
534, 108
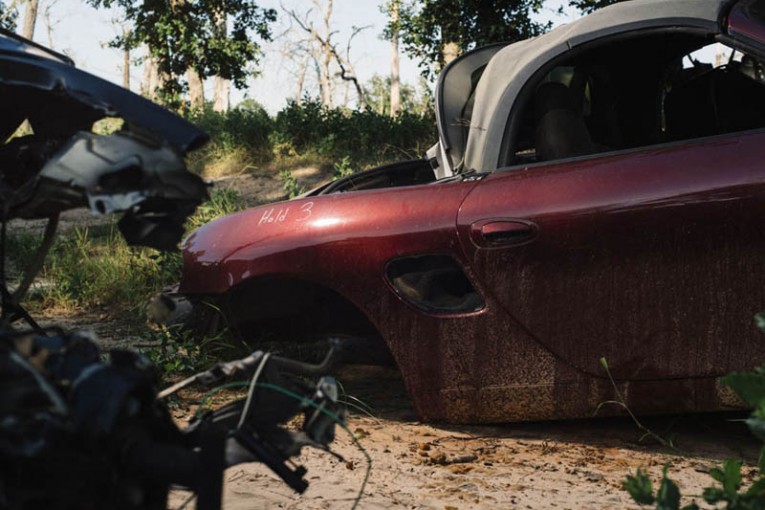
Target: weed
621, 403
222, 202
246, 137
20, 248
92, 271
342, 169
180, 351
291, 185
94, 267
750, 387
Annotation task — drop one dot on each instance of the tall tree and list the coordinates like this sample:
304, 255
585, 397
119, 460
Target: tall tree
394, 10
126, 61
30, 18
434, 31
321, 40
183, 34
196, 89
325, 54
222, 85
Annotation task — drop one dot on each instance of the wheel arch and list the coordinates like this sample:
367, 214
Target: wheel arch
284, 308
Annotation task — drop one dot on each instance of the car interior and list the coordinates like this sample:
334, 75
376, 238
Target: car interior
640, 91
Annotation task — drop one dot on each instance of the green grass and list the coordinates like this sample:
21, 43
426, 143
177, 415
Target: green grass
95, 268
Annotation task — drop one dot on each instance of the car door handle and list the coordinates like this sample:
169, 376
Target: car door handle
498, 232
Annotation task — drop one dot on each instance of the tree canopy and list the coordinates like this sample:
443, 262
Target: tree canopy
588, 6
8, 16
183, 34
428, 27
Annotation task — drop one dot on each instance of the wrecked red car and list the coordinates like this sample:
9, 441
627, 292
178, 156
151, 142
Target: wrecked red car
596, 192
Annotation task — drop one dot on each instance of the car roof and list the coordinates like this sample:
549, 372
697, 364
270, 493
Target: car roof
510, 69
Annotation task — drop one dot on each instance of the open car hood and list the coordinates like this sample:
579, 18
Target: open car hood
138, 170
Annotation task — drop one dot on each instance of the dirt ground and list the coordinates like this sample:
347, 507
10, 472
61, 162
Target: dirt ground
565, 465
568, 465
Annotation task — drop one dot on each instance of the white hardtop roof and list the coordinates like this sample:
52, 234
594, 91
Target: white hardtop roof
512, 66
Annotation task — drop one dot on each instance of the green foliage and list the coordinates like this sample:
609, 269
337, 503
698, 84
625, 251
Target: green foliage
308, 130
343, 168
94, 267
364, 135
108, 125
412, 100
640, 488
667, 497
20, 248
291, 185
188, 34
247, 126
180, 351
428, 25
222, 202
239, 140
588, 6
750, 387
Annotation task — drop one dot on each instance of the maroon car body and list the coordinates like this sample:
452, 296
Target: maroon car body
622, 219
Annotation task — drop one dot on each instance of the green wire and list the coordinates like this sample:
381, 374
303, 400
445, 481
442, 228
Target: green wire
304, 401
338, 421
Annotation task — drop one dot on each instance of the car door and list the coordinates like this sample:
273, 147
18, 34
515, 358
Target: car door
651, 258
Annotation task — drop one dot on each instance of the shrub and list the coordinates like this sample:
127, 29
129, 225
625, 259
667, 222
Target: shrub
727, 492
363, 136
239, 139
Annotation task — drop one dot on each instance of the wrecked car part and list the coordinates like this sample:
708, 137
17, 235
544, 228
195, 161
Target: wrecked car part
61, 165
80, 432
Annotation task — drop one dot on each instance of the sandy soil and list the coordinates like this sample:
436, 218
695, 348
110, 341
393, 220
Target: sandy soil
568, 465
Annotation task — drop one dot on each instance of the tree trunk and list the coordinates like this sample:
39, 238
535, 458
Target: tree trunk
222, 91
325, 63
126, 61
450, 52
222, 95
30, 18
196, 89
301, 81
150, 82
395, 78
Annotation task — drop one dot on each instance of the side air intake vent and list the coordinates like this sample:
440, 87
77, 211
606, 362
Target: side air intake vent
434, 283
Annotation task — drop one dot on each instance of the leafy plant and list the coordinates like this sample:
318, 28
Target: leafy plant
222, 202
750, 387
291, 185
181, 351
342, 168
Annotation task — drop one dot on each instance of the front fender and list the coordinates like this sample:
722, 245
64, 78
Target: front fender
341, 240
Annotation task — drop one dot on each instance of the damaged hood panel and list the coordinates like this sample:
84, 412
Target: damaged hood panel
62, 164
86, 96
